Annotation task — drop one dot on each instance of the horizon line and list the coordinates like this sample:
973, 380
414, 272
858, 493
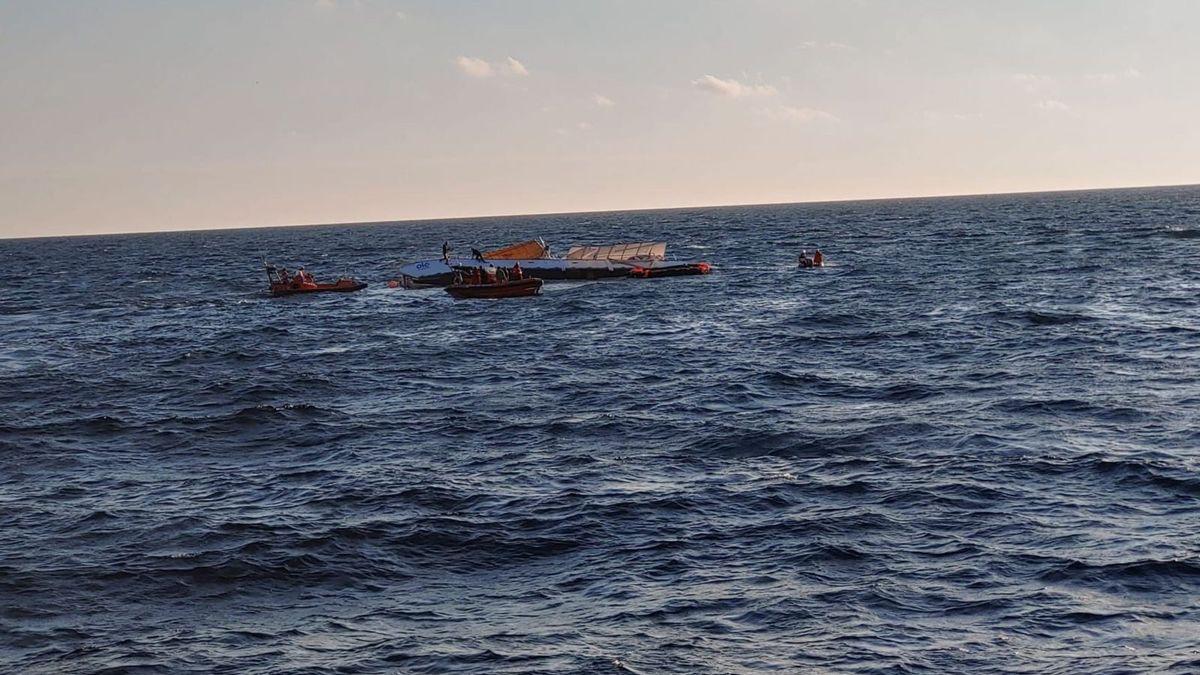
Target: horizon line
596, 211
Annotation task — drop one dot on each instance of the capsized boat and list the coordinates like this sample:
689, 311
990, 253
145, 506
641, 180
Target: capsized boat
283, 284
580, 263
507, 289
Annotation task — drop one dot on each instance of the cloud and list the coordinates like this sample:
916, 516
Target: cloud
474, 67
836, 46
1031, 82
401, 16
732, 88
514, 68
479, 68
1115, 76
787, 113
1053, 105
602, 101
943, 115
583, 126
325, 4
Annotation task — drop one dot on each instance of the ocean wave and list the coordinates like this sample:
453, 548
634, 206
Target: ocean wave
969, 428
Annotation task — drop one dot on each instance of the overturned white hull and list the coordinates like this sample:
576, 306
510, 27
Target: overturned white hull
441, 273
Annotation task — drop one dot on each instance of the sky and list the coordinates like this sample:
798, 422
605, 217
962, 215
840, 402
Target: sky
144, 115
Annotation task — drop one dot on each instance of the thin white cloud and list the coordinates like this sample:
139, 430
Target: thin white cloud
1052, 105
602, 101
1031, 82
1115, 76
835, 46
514, 68
732, 88
787, 113
583, 126
325, 4
401, 16
944, 115
474, 67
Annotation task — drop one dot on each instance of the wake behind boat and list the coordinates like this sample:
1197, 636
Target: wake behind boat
640, 260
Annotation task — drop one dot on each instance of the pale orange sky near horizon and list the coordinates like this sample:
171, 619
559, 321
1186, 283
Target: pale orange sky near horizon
131, 115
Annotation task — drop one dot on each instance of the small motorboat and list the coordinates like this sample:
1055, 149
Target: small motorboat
805, 261
675, 270
509, 289
284, 284
343, 285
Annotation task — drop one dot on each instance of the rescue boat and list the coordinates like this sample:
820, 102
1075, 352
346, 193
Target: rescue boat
510, 289
282, 284
651, 271
343, 285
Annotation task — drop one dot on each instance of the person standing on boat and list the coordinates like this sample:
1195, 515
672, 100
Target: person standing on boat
446, 252
517, 273
477, 255
818, 259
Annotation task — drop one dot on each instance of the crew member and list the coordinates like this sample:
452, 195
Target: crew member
477, 255
446, 252
818, 259
517, 273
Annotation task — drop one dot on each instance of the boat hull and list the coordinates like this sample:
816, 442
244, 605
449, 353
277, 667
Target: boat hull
513, 289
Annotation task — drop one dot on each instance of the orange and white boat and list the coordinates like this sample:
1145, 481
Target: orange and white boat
282, 283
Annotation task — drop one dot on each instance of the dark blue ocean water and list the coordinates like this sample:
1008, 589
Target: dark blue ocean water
972, 443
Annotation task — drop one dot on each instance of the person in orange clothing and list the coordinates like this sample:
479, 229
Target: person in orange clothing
517, 273
818, 259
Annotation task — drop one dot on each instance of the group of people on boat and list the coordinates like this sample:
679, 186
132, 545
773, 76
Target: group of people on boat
816, 260
302, 278
490, 274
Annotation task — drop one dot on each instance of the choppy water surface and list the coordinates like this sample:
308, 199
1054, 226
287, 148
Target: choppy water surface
970, 444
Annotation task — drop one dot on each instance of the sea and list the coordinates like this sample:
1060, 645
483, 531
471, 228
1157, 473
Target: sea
971, 443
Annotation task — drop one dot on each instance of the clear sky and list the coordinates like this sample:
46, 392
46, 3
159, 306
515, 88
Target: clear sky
135, 115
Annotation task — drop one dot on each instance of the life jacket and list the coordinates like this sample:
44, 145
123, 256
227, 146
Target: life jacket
818, 259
